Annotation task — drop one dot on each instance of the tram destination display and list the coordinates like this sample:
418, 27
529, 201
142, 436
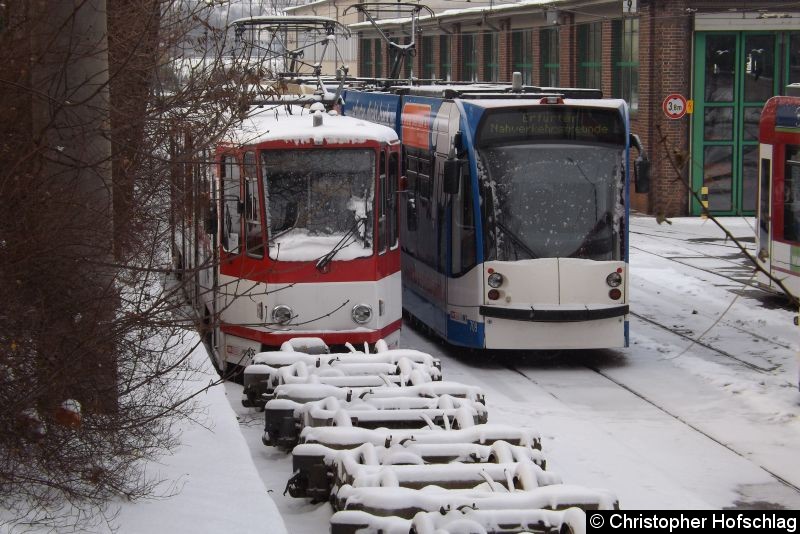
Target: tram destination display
542, 123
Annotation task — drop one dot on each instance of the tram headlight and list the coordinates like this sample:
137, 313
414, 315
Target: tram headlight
495, 280
282, 314
614, 279
362, 313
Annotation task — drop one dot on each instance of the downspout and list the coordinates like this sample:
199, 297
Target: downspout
651, 197
692, 117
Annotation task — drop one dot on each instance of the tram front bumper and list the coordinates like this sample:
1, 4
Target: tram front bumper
564, 327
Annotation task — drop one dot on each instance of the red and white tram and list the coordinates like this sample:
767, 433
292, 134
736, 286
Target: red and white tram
778, 229
299, 235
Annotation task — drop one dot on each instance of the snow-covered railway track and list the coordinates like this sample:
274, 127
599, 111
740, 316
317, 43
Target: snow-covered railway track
718, 351
714, 444
696, 428
742, 275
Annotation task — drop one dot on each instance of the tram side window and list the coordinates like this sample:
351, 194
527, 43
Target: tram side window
420, 177
231, 218
463, 238
391, 198
252, 208
408, 241
440, 223
387, 207
791, 194
382, 207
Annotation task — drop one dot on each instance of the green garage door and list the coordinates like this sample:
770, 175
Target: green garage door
735, 73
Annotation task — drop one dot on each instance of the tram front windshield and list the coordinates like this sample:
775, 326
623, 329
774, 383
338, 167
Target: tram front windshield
552, 201
319, 201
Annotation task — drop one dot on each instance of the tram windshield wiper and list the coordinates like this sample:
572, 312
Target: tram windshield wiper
518, 241
593, 184
343, 242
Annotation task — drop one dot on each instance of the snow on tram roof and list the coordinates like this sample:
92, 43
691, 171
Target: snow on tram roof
272, 125
612, 103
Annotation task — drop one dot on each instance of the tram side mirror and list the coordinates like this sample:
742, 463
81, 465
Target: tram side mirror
458, 142
641, 173
411, 214
211, 220
452, 175
641, 166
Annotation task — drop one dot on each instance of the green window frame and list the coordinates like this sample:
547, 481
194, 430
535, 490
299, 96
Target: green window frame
625, 52
365, 58
522, 54
428, 65
378, 58
469, 53
491, 56
445, 66
549, 41
590, 55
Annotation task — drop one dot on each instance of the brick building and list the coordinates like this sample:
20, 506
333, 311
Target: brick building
728, 57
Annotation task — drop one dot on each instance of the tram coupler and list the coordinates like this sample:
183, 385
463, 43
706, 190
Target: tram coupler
279, 426
312, 478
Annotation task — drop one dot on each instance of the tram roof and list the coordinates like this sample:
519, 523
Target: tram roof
610, 103
780, 120
495, 95
265, 125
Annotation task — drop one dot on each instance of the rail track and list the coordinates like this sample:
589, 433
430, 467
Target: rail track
643, 397
742, 279
709, 346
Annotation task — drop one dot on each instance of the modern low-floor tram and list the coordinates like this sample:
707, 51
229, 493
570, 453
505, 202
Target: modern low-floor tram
514, 221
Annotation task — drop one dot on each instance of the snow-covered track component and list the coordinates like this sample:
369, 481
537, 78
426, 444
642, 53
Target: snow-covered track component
400, 367
502, 477
569, 521
485, 434
406, 502
487, 477
284, 419
318, 468
314, 392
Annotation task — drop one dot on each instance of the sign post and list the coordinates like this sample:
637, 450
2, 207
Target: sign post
674, 106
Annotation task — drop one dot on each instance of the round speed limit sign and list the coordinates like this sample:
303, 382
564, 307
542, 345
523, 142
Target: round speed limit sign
674, 106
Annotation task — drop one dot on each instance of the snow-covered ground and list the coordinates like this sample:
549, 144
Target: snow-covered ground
666, 424
215, 485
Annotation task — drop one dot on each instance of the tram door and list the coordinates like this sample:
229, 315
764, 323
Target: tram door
764, 222
735, 74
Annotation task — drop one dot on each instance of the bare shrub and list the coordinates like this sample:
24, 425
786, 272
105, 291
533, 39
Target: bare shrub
94, 346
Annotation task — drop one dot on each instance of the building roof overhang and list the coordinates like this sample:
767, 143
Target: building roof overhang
451, 16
